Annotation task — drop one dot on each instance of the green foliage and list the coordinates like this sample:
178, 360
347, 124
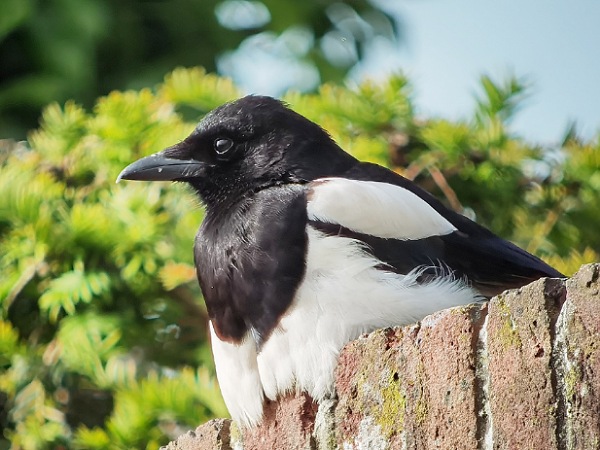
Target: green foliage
96, 293
102, 329
55, 50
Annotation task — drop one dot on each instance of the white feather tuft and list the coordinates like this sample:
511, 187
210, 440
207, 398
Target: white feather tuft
239, 380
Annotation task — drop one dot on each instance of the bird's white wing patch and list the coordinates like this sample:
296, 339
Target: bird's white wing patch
375, 208
239, 380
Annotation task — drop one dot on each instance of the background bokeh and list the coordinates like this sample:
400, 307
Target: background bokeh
103, 341
56, 50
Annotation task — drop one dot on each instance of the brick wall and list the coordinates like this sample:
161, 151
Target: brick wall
519, 372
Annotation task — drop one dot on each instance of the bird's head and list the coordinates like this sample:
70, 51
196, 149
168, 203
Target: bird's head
243, 146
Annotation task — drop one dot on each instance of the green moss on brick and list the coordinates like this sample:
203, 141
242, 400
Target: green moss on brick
235, 434
571, 380
508, 333
390, 414
380, 393
421, 411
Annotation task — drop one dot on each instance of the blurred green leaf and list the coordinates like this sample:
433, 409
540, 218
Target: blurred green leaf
12, 14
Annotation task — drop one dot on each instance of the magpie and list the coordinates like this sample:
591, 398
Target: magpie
304, 248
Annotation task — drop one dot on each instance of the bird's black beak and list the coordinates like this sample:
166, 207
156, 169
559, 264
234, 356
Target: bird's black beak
163, 167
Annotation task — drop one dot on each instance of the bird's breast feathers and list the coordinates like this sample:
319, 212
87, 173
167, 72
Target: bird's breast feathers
345, 290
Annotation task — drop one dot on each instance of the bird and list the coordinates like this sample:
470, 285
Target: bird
304, 248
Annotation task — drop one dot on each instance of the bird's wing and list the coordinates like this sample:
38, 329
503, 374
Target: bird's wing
406, 228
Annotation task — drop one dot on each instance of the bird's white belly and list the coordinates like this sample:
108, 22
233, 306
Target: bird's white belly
342, 296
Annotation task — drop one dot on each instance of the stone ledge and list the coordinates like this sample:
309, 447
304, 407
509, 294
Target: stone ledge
213, 435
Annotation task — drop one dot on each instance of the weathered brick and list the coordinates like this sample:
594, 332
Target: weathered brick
287, 424
411, 387
448, 415
213, 435
520, 338
370, 410
579, 355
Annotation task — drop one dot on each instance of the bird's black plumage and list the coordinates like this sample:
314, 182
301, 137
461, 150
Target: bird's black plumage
296, 229
249, 266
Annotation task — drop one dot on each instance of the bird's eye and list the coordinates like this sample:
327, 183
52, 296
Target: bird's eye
223, 145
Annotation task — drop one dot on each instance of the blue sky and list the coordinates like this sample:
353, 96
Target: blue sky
446, 45
554, 44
